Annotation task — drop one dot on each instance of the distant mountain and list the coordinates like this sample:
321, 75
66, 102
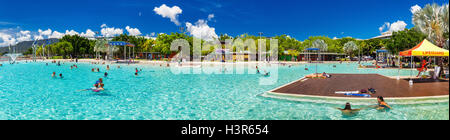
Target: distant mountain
24, 46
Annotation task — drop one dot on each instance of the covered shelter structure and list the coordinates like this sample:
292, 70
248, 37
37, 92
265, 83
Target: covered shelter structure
310, 52
425, 48
125, 44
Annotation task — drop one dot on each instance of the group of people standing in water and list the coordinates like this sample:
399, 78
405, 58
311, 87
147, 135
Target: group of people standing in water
99, 85
381, 106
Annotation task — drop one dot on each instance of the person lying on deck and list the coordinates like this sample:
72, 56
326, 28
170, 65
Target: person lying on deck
348, 111
326, 75
317, 75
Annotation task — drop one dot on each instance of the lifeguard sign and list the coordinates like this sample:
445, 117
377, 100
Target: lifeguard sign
426, 48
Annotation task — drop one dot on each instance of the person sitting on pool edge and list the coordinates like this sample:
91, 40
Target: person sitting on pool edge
382, 105
326, 75
348, 111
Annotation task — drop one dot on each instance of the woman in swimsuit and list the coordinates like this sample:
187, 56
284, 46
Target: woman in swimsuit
382, 104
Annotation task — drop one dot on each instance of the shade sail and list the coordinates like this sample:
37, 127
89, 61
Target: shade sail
119, 43
312, 49
425, 48
382, 51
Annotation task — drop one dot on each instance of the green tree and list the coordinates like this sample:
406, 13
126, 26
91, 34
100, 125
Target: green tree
432, 21
404, 40
65, 48
80, 44
350, 47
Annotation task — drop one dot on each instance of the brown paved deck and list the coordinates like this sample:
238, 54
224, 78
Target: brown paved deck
385, 86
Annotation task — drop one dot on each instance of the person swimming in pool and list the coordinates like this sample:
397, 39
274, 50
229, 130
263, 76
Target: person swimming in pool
348, 111
53, 74
106, 74
107, 67
382, 105
96, 87
99, 81
98, 69
100, 88
61, 76
135, 74
93, 70
266, 73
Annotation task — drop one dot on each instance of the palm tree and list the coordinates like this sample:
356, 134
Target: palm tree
433, 20
100, 46
319, 43
349, 47
148, 45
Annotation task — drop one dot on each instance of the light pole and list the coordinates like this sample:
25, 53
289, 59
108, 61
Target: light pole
359, 54
260, 55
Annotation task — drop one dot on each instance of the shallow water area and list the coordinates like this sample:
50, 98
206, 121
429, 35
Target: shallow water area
27, 91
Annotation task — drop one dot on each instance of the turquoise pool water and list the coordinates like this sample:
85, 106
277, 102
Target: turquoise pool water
27, 91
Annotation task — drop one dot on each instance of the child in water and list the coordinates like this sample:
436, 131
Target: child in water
348, 111
101, 87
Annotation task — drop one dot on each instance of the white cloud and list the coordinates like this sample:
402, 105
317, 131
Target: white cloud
23, 36
397, 26
210, 17
89, 34
103, 26
201, 30
71, 32
133, 31
25, 32
6, 40
55, 34
393, 27
169, 12
415, 8
45, 33
111, 32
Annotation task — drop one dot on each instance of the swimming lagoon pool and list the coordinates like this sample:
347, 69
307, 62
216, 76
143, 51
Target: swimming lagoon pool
27, 91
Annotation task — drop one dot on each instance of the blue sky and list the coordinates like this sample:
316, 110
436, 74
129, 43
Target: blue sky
297, 18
